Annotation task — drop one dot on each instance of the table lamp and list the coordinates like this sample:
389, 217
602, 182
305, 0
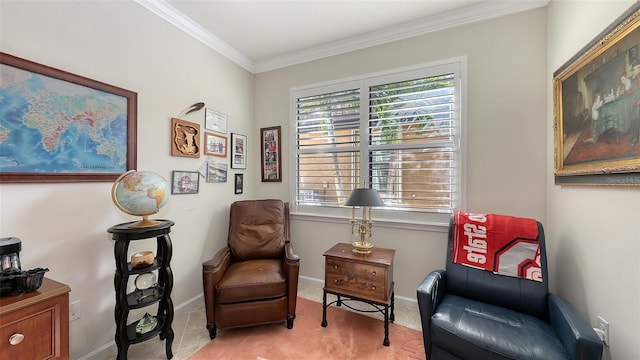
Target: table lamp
365, 198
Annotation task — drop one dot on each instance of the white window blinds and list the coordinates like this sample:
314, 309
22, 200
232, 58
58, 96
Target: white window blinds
397, 133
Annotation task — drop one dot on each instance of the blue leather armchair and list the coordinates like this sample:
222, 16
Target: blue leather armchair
468, 313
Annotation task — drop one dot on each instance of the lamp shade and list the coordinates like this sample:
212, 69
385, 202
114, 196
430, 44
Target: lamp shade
364, 197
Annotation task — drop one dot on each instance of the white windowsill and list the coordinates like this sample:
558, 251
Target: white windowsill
395, 224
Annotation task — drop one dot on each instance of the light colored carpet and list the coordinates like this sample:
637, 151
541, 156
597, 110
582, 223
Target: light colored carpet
348, 335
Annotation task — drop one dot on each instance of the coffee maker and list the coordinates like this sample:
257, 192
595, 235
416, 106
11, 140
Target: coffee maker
10, 248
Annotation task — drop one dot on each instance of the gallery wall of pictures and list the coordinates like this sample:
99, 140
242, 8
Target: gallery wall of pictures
219, 153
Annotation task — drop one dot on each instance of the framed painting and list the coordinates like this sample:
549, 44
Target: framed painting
597, 109
61, 127
185, 138
270, 154
239, 151
215, 145
185, 182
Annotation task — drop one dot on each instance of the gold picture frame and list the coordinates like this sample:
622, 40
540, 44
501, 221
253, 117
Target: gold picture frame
215, 145
597, 108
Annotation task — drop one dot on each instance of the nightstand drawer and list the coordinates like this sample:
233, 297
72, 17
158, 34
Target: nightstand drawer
359, 271
355, 287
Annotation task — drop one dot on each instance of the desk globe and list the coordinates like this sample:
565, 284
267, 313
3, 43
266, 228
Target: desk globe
140, 193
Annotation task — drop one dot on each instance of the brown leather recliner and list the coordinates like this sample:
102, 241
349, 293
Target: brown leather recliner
254, 279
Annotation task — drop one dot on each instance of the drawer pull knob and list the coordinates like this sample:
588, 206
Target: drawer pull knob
335, 266
16, 339
374, 273
373, 288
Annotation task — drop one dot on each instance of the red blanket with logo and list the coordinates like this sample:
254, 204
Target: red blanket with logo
505, 245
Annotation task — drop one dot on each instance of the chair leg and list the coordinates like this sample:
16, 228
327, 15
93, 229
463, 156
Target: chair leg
212, 331
290, 321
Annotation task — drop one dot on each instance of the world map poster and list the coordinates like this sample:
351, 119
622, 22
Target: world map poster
57, 127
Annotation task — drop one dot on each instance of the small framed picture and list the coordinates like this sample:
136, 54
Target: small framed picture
271, 160
216, 172
238, 151
185, 182
239, 183
215, 121
215, 145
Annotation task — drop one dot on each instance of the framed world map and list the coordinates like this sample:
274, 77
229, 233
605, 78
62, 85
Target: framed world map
56, 126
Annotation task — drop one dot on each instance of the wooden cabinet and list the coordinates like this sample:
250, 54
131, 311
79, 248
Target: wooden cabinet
35, 325
367, 278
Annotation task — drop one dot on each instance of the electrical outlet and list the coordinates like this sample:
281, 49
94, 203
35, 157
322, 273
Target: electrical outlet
74, 310
603, 325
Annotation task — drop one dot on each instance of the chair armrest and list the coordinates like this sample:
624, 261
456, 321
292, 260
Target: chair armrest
430, 294
292, 270
212, 271
576, 335
219, 262
291, 258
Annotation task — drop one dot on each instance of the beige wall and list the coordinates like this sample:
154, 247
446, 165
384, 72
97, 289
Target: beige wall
505, 123
64, 226
594, 233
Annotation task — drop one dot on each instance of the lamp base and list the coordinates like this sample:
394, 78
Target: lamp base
362, 248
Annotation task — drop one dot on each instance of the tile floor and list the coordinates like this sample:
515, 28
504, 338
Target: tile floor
191, 334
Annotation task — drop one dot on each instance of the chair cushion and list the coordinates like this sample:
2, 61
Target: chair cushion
252, 280
470, 329
257, 229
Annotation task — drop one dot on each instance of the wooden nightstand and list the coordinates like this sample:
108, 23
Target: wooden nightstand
366, 278
35, 325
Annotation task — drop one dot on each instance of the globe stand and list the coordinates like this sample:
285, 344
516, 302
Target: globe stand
145, 222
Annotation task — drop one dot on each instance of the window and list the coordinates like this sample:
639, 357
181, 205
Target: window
398, 133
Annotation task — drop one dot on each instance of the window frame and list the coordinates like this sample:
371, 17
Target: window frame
388, 218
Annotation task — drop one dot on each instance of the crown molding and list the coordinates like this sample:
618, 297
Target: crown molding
478, 12
169, 13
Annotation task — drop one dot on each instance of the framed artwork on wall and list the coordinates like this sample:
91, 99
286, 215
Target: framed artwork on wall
239, 184
238, 151
216, 172
185, 138
215, 121
185, 182
62, 127
597, 109
215, 145
270, 154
